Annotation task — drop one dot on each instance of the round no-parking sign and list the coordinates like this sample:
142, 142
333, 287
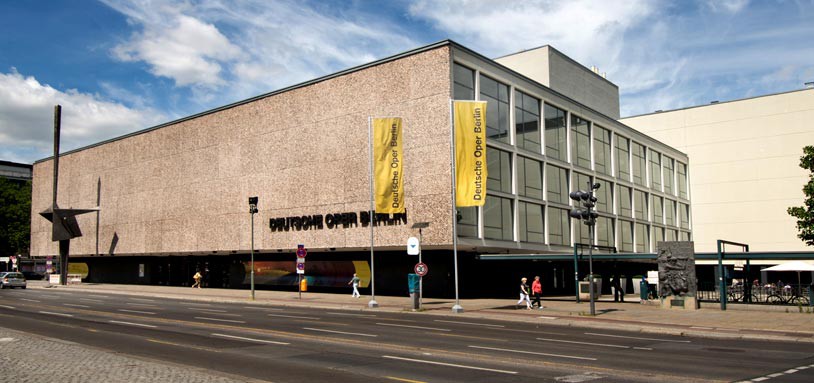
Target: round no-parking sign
421, 269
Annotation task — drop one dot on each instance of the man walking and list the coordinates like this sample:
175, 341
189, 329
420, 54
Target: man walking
355, 282
537, 292
197, 278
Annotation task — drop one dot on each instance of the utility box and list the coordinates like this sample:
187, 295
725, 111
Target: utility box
412, 286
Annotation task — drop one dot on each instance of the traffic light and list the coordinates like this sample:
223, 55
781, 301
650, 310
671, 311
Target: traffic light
588, 201
253, 205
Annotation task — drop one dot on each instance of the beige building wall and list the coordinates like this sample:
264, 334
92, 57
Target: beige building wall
745, 170
183, 188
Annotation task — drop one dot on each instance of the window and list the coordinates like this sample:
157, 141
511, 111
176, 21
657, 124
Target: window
640, 204
625, 235
604, 231
623, 158
684, 215
580, 142
581, 181
529, 178
527, 122
658, 210
532, 228
464, 80
556, 144
669, 175
669, 212
497, 218
468, 222
499, 167
557, 184
642, 238
682, 180
581, 233
496, 96
559, 233
655, 170
602, 150
639, 165
625, 206
604, 196
658, 235
684, 235
671, 235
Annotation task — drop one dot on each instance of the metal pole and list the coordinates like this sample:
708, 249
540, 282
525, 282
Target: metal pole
372, 304
591, 268
252, 252
721, 277
457, 308
576, 274
420, 278
57, 127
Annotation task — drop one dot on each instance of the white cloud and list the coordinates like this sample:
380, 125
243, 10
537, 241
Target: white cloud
27, 113
726, 6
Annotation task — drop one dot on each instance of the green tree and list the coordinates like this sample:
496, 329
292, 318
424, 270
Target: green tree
805, 213
15, 217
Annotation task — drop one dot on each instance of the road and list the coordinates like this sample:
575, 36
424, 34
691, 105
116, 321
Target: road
288, 344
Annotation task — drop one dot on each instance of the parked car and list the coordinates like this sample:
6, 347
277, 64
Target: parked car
12, 279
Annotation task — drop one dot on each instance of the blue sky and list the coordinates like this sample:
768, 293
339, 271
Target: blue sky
118, 66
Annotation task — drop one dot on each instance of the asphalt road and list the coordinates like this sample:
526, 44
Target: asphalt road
285, 344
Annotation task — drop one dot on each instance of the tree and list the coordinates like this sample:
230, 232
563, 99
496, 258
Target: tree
805, 213
15, 217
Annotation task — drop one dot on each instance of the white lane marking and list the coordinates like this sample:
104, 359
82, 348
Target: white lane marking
762, 378
292, 316
59, 314
576, 342
702, 328
221, 320
544, 317
416, 327
30, 300
470, 323
142, 299
803, 367
140, 304
137, 312
209, 310
397, 320
250, 339
790, 371
636, 337
448, 364
133, 324
338, 332
91, 300
354, 315
75, 305
48, 296
99, 296
775, 375
643, 348
8, 307
196, 304
533, 353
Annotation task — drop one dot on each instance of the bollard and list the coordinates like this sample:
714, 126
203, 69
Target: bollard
811, 294
643, 290
304, 285
412, 287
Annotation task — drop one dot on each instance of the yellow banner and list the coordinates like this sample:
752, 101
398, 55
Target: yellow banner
387, 165
470, 153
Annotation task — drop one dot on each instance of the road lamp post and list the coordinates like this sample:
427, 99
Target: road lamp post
253, 211
419, 226
588, 216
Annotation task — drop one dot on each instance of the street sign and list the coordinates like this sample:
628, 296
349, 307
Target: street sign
301, 251
300, 267
413, 247
421, 269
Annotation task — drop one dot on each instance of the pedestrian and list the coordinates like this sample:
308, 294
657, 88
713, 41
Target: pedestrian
618, 293
355, 282
197, 278
524, 293
537, 292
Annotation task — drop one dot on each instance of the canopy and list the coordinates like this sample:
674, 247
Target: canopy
791, 266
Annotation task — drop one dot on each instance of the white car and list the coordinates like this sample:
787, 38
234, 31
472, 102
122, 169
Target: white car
12, 279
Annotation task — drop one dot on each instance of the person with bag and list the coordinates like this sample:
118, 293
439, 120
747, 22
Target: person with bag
537, 292
524, 293
355, 282
197, 278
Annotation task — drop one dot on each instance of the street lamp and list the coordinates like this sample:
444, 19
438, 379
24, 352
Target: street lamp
588, 216
419, 226
253, 211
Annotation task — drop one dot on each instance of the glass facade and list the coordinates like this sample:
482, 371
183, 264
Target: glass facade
532, 171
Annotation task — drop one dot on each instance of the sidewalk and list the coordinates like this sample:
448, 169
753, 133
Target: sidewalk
753, 322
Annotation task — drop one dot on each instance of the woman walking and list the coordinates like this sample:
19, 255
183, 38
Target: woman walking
524, 293
537, 292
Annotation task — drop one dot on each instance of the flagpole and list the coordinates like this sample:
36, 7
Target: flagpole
457, 308
372, 304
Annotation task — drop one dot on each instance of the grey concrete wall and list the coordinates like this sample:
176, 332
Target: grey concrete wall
183, 188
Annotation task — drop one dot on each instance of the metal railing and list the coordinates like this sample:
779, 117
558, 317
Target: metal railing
791, 294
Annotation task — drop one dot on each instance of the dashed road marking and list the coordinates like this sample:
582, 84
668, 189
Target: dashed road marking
470, 323
30, 300
338, 332
416, 327
57, 314
221, 320
76, 305
636, 337
449, 364
533, 353
292, 316
133, 324
137, 312
250, 339
586, 343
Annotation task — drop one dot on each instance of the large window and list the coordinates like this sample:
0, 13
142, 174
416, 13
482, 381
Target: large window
602, 150
640, 204
529, 178
639, 164
669, 175
669, 212
580, 142
625, 235
684, 236
658, 210
497, 218
532, 228
557, 184
581, 233
464, 79
684, 215
623, 196
655, 170
622, 158
500, 170
682, 180
658, 236
604, 196
468, 222
642, 238
580, 181
604, 231
496, 96
527, 122
670, 235
556, 140
559, 233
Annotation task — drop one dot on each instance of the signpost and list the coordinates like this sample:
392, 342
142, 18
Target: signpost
301, 253
421, 269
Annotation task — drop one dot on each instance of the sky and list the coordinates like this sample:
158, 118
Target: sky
119, 66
